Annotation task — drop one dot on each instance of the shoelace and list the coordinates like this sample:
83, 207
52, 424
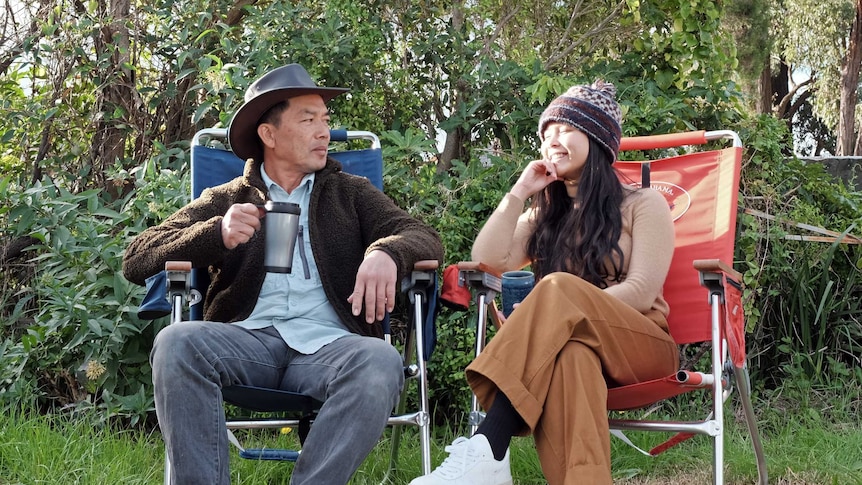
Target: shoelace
455, 464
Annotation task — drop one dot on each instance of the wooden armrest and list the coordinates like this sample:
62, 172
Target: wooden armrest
717, 266
178, 266
494, 313
480, 267
426, 265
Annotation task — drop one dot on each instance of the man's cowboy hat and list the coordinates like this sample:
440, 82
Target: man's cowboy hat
272, 88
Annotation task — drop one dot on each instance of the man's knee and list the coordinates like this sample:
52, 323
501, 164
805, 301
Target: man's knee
174, 344
381, 369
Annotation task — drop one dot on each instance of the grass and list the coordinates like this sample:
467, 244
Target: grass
59, 450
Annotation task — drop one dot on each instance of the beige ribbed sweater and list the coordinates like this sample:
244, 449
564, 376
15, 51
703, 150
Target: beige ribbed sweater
646, 241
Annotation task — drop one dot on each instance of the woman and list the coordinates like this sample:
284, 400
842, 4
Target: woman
596, 319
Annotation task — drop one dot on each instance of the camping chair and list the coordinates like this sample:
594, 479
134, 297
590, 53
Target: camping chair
701, 189
179, 289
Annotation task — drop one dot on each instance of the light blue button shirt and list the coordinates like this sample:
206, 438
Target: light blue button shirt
295, 303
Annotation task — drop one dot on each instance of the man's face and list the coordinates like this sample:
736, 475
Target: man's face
300, 139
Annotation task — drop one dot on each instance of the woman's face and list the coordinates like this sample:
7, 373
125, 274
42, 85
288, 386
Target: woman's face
566, 147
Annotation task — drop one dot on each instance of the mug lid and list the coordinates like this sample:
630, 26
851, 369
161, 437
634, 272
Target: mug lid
281, 207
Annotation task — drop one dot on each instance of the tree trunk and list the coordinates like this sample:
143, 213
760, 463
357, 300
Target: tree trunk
451, 150
117, 97
780, 87
764, 91
849, 83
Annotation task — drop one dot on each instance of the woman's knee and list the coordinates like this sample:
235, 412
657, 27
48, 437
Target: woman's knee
562, 282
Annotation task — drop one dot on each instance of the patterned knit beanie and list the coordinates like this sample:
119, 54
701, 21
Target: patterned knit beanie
591, 109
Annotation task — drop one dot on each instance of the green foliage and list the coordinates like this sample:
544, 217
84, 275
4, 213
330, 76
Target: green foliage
801, 298
456, 204
70, 333
677, 74
480, 73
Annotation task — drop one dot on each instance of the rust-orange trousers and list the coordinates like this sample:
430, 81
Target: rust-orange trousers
555, 358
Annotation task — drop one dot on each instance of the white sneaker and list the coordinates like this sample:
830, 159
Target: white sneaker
470, 462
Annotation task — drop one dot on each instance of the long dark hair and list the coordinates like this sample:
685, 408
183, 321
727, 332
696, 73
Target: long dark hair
581, 235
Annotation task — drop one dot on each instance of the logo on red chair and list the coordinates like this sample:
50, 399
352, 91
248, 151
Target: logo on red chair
678, 199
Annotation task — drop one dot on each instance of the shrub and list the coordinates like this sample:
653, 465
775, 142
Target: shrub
70, 334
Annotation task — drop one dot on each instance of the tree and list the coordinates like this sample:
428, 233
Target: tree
99, 101
823, 38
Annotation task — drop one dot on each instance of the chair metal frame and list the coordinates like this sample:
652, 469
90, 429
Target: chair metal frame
186, 300
728, 362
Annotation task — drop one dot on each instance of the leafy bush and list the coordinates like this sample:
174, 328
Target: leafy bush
456, 204
70, 334
801, 297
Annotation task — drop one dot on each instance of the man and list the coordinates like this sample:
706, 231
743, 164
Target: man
314, 330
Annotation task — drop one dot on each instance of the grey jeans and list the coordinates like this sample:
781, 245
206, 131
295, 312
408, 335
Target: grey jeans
358, 378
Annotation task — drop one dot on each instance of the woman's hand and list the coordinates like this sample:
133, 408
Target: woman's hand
535, 177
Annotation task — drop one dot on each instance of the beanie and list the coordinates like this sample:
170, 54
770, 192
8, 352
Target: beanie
591, 109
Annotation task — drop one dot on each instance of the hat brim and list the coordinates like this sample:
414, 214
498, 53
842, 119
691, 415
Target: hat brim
242, 131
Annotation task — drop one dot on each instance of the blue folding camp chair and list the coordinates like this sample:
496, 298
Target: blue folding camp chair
179, 290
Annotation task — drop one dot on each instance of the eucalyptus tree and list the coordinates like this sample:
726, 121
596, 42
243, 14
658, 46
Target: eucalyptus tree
824, 40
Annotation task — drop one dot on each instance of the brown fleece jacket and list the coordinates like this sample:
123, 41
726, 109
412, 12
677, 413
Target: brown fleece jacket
348, 217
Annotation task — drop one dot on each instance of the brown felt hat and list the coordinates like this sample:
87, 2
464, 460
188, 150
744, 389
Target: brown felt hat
270, 89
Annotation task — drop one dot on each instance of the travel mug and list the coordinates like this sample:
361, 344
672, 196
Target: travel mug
282, 226
516, 286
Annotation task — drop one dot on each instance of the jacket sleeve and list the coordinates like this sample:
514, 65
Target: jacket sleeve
193, 234
391, 229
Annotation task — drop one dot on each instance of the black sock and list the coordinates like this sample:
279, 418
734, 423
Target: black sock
501, 422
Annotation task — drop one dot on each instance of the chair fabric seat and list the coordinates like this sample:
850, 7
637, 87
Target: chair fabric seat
265, 400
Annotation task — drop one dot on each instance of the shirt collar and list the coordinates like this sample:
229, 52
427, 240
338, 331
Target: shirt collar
307, 181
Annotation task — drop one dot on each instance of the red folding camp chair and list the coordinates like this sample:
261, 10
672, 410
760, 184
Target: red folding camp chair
701, 189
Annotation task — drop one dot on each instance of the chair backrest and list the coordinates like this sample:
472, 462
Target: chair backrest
215, 165
701, 189
211, 166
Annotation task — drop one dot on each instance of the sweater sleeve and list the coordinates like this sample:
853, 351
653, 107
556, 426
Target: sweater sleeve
502, 242
652, 239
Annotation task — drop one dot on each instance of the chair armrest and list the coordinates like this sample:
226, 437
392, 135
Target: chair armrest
717, 266
426, 265
422, 279
480, 276
178, 266
485, 280
480, 267
178, 276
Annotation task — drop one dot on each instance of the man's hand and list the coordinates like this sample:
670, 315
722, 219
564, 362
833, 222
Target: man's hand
240, 224
375, 286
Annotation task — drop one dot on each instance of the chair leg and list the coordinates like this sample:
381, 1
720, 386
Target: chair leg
743, 383
718, 458
167, 467
396, 436
476, 415
422, 383
414, 345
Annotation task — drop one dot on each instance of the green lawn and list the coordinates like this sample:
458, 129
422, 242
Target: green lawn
43, 450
